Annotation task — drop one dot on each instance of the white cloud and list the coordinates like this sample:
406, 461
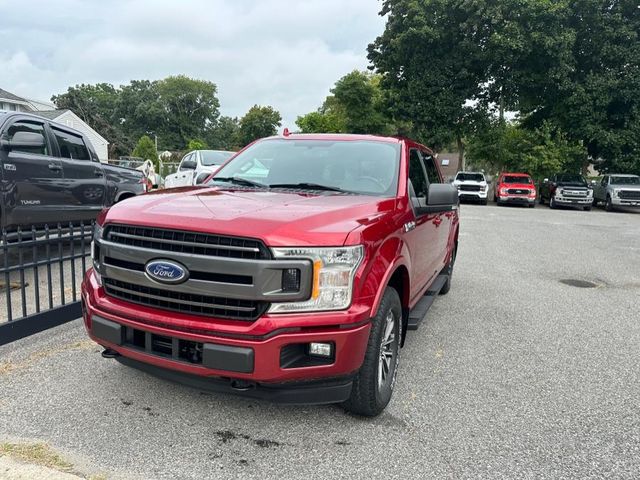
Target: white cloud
271, 52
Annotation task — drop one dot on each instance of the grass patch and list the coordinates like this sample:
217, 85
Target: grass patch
36, 453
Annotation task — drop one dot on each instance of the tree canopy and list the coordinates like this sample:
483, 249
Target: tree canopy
448, 67
176, 109
257, 123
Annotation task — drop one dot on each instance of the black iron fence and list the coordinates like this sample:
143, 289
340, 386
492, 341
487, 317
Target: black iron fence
41, 271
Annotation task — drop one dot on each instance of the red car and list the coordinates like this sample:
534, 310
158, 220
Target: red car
292, 276
515, 188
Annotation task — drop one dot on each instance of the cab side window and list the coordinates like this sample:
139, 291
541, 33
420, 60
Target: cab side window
30, 127
71, 146
417, 179
433, 176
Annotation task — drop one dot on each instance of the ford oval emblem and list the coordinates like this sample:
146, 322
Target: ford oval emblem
166, 271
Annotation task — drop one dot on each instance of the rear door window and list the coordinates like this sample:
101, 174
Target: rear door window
71, 146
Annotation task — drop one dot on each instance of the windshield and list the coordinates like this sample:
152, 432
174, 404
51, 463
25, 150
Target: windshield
625, 180
470, 177
214, 157
365, 167
516, 179
570, 178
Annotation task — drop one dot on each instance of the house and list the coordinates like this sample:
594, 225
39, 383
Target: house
12, 102
449, 164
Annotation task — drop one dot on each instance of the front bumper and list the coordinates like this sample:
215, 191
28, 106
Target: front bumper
620, 202
516, 199
464, 195
257, 362
572, 201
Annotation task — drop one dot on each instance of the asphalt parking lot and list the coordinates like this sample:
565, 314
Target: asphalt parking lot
512, 375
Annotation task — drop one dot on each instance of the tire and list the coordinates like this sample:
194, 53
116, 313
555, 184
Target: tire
532, 205
587, 209
483, 201
498, 203
552, 203
541, 200
608, 206
372, 388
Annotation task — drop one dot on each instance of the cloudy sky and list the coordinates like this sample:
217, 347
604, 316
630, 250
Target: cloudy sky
271, 52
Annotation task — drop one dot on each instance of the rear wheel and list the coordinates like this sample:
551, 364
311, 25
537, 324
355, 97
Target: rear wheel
374, 383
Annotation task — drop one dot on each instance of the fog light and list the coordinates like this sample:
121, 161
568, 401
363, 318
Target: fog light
320, 349
291, 280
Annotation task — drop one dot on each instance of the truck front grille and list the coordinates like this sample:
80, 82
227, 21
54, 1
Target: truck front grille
470, 188
194, 243
629, 194
568, 192
518, 191
193, 304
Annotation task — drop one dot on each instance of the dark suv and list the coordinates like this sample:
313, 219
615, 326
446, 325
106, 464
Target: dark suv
50, 173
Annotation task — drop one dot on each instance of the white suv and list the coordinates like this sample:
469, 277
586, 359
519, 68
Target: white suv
472, 186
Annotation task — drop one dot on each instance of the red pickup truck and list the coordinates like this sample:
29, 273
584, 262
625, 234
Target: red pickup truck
292, 275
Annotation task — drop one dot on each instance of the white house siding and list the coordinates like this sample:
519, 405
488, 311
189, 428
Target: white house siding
100, 145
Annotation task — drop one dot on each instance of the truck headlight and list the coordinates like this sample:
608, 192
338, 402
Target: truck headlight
95, 250
333, 273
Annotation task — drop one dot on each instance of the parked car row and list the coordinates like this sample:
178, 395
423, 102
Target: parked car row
196, 166
561, 190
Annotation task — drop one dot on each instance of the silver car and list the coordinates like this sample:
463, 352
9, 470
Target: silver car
617, 190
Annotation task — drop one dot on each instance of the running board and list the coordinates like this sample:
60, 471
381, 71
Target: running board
417, 314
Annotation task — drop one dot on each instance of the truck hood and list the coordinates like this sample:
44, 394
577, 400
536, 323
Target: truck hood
277, 217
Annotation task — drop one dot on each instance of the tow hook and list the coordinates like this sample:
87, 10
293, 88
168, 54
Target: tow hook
241, 385
108, 353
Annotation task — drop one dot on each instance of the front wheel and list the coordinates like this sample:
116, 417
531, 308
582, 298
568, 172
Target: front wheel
552, 203
374, 383
608, 206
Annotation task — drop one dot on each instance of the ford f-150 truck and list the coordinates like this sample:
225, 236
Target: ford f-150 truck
472, 186
293, 275
515, 188
50, 173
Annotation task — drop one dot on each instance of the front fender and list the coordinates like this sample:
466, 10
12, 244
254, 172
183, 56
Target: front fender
392, 255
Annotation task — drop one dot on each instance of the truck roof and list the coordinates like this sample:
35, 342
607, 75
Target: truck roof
337, 137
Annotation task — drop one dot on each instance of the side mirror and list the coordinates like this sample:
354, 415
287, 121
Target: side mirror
451, 180
24, 140
442, 197
593, 183
546, 180
189, 165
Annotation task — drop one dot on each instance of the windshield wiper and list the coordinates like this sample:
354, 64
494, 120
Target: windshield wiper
240, 181
308, 186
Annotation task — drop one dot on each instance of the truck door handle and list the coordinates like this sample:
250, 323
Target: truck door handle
98, 172
54, 167
437, 221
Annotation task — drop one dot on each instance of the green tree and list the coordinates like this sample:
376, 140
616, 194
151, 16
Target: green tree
146, 149
97, 105
176, 109
196, 144
257, 123
356, 105
223, 134
540, 152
